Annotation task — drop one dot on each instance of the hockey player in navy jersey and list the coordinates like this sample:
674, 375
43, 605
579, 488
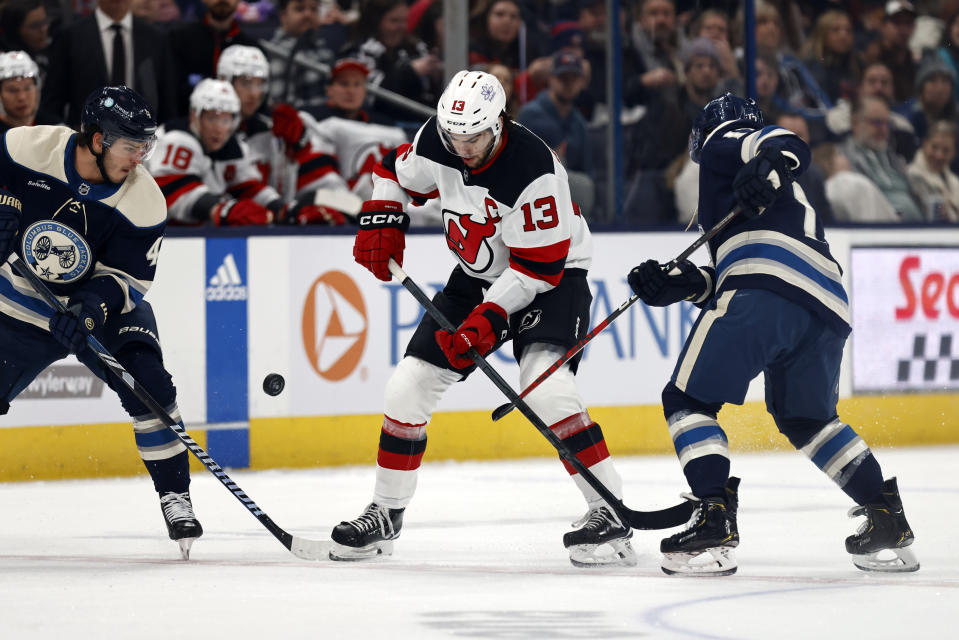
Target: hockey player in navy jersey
772, 303
522, 255
90, 225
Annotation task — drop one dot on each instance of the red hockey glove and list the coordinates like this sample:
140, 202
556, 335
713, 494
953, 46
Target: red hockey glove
240, 212
383, 225
486, 325
288, 126
294, 213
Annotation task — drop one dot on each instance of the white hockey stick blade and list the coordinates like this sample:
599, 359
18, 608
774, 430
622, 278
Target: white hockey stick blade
345, 201
310, 549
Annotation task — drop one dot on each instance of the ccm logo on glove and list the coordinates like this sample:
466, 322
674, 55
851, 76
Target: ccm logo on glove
382, 236
383, 220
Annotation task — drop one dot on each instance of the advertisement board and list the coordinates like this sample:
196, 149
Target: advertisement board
905, 309
300, 306
345, 330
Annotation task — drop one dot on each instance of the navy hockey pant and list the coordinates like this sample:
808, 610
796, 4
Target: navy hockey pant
738, 336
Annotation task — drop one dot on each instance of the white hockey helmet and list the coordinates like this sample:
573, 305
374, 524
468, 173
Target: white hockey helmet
240, 60
17, 64
213, 95
472, 103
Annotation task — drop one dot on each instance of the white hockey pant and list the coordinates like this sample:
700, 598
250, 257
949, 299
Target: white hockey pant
416, 387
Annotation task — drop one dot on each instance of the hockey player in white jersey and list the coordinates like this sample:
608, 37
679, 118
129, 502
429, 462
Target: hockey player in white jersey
207, 174
341, 129
523, 252
294, 173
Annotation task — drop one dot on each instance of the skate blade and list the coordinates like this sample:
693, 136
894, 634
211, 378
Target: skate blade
185, 545
344, 553
716, 561
616, 553
902, 561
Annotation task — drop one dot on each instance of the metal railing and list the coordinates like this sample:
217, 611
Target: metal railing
385, 94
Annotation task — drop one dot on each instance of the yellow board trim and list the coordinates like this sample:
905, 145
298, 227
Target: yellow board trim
87, 451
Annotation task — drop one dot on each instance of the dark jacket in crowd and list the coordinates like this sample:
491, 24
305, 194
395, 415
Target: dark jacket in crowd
78, 66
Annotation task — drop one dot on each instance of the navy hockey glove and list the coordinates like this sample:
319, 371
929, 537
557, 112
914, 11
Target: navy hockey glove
9, 224
85, 314
382, 236
483, 328
657, 288
759, 182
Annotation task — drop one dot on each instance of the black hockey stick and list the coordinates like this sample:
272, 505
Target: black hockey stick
300, 547
502, 410
662, 519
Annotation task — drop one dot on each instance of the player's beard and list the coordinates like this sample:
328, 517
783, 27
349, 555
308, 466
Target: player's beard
222, 10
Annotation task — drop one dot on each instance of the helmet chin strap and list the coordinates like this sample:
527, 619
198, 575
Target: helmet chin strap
100, 166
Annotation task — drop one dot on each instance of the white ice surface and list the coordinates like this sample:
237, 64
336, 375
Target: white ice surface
480, 557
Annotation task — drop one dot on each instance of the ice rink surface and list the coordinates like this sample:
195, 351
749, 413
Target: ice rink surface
481, 556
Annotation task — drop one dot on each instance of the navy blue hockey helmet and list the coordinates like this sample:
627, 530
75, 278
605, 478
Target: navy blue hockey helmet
119, 112
725, 108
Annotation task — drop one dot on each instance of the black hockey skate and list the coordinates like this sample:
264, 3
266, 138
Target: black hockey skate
883, 540
706, 547
181, 522
601, 540
369, 535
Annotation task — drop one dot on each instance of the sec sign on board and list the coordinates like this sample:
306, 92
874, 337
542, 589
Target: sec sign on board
935, 289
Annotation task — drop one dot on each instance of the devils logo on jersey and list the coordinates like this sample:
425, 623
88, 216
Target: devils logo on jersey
468, 238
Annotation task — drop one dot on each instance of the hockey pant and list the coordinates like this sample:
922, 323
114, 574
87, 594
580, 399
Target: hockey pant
415, 389
26, 350
744, 333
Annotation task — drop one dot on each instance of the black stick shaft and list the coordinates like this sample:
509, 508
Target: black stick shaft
638, 519
503, 410
144, 396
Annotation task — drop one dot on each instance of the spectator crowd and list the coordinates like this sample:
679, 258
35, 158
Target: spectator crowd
267, 118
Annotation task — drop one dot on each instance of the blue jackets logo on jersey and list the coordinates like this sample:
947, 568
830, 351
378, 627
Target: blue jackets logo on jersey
55, 251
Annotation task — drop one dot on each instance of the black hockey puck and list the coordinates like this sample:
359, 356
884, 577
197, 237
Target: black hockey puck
273, 384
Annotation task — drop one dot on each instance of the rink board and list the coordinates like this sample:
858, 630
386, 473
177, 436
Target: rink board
232, 309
